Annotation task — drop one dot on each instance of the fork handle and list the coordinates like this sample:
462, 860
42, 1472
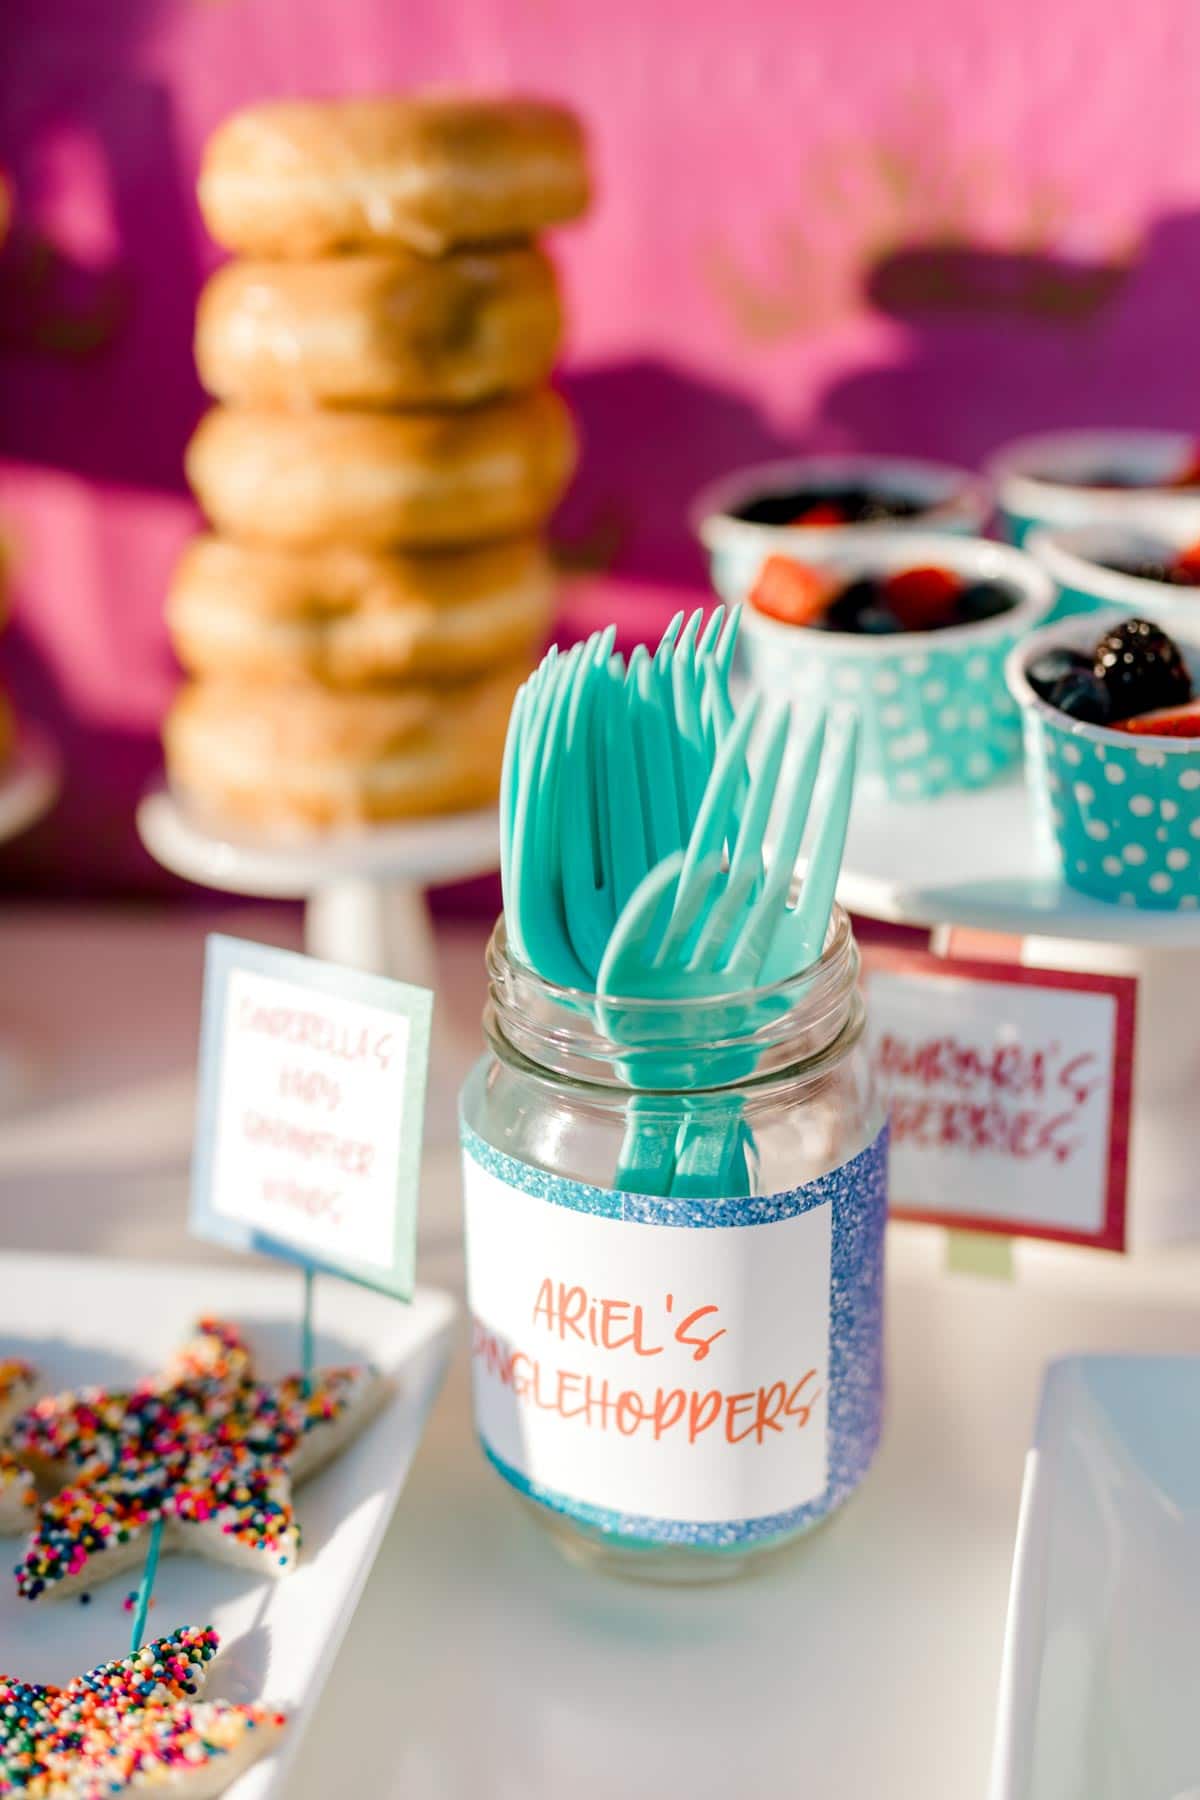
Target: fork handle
712, 1162
647, 1164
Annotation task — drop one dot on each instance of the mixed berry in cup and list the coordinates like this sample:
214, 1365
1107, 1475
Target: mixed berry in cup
911, 628
1180, 568
816, 502
1072, 478
923, 597
1112, 751
834, 503
1148, 567
1183, 472
1135, 679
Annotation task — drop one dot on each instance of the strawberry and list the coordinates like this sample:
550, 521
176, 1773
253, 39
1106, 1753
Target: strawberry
1186, 566
822, 512
1168, 721
792, 591
922, 598
1189, 475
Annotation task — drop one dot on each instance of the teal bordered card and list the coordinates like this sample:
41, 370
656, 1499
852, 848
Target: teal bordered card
310, 1114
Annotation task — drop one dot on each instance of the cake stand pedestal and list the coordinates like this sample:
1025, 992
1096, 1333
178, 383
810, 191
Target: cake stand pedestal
364, 891
975, 860
29, 787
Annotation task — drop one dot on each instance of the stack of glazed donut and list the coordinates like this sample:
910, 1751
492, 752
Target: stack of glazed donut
382, 457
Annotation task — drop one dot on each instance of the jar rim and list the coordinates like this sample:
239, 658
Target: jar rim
839, 948
695, 1044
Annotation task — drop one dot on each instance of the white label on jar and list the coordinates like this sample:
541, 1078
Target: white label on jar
644, 1373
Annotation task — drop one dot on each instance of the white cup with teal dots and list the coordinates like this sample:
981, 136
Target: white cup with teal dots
1051, 479
949, 499
1122, 810
935, 710
1079, 560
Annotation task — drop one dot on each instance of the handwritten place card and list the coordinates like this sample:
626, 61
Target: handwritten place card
312, 1098
1009, 1091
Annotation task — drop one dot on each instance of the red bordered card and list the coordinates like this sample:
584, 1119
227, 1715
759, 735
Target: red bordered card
1009, 1090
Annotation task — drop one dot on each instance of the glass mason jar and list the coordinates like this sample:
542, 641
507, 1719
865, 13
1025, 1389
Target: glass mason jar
674, 1230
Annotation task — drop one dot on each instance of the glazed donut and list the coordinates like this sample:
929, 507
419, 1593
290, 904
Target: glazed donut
395, 330
349, 617
304, 756
304, 177
382, 480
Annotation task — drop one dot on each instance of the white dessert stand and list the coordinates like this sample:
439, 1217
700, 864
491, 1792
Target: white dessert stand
975, 860
29, 786
364, 890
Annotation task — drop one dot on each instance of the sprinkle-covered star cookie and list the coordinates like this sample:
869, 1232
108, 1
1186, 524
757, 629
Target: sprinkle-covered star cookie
204, 1447
16, 1483
130, 1726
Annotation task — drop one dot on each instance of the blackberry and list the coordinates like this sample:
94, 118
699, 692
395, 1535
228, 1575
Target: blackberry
1048, 670
984, 600
849, 605
878, 621
1142, 668
1082, 695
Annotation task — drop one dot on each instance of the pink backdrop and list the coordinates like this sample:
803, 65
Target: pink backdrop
925, 227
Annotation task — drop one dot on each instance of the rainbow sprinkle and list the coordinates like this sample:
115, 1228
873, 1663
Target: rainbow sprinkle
16, 1483
128, 1725
204, 1447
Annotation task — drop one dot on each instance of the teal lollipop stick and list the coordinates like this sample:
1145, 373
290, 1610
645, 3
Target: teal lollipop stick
141, 1608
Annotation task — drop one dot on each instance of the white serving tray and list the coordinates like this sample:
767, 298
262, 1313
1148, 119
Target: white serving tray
89, 1319
975, 859
1100, 1690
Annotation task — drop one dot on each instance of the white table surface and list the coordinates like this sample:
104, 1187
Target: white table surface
862, 1664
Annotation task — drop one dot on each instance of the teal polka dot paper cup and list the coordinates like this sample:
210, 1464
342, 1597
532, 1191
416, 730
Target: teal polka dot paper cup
1123, 811
936, 714
1079, 561
1047, 480
951, 500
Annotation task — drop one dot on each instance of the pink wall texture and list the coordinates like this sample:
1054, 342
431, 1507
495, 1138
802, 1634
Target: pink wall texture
926, 228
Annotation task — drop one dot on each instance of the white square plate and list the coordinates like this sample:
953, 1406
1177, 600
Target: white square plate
1100, 1692
90, 1320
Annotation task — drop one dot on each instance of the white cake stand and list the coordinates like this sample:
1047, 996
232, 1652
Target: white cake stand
29, 786
364, 890
975, 860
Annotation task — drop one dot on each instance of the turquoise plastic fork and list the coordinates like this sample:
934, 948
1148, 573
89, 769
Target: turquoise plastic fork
631, 857
694, 929
603, 768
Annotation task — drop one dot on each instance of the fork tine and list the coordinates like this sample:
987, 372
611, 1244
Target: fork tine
653, 745
716, 807
634, 916
666, 643
539, 832
686, 680
508, 808
745, 865
712, 631
716, 710
801, 933
584, 847
728, 644
685, 646
750, 944
626, 821
692, 895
